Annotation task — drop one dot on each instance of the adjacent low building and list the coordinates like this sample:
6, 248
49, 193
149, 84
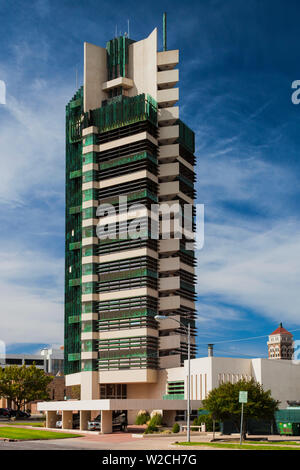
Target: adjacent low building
51, 360
168, 393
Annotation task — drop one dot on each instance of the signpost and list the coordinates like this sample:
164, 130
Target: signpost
243, 398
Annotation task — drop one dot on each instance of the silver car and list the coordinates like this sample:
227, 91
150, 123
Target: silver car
95, 425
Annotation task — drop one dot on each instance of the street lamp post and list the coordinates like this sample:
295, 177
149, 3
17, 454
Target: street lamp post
188, 331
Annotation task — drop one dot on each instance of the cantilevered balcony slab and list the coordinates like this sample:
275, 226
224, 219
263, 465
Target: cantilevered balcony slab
128, 376
123, 82
168, 134
168, 116
167, 98
167, 60
171, 283
167, 79
128, 333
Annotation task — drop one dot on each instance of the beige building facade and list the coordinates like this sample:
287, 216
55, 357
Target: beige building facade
168, 394
126, 142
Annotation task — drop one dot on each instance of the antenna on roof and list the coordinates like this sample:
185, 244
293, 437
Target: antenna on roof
165, 31
116, 35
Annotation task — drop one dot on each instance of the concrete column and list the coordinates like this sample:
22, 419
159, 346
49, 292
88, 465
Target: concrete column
51, 418
90, 389
67, 419
169, 417
85, 416
106, 422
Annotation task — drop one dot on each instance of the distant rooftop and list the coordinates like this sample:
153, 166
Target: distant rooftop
281, 330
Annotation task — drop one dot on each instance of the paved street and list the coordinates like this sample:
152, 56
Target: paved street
97, 442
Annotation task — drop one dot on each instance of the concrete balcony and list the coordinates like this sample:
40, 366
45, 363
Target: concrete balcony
90, 148
168, 170
90, 185
117, 180
169, 323
90, 203
169, 284
89, 130
127, 255
89, 241
89, 259
89, 297
130, 139
168, 116
169, 265
89, 167
128, 333
167, 79
168, 362
170, 342
90, 278
123, 82
169, 303
168, 152
89, 355
174, 302
167, 98
128, 376
90, 335
130, 215
169, 246
171, 229
89, 222
167, 60
169, 189
187, 303
89, 317
168, 135
140, 291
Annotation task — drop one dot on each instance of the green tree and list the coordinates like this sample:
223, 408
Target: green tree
223, 402
206, 418
24, 384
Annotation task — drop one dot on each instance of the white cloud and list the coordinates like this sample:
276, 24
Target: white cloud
32, 142
256, 268
31, 291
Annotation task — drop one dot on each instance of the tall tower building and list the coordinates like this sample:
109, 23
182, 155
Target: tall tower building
280, 344
124, 138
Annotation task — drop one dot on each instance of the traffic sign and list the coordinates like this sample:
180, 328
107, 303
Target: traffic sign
243, 397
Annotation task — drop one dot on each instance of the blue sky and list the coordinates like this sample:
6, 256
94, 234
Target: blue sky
237, 63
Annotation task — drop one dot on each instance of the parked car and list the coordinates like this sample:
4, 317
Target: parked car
8, 412
95, 425
4, 412
22, 414
58, 424
76, 422
119, 422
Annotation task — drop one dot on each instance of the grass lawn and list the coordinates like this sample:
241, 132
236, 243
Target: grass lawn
36, 424
255, 446
31, 434
287, 443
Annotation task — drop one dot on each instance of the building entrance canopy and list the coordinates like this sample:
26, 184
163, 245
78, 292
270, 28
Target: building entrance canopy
112, 405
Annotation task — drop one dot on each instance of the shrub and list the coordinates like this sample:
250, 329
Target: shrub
156, 420
176, 428
150, 429
142, 418
207, 420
